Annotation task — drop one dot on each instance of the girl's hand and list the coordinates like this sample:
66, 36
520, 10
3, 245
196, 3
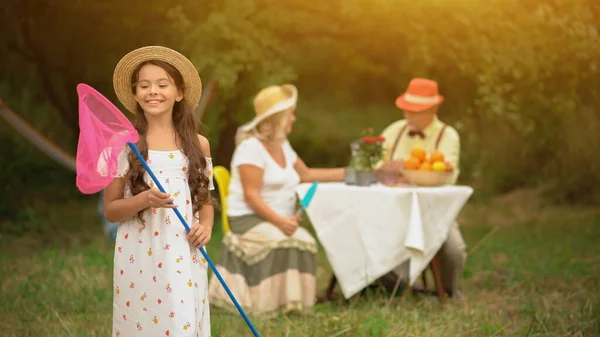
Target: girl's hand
158, 199
199, 235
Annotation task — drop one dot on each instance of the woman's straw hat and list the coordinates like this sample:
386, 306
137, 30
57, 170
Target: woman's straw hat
269, 101
127, 65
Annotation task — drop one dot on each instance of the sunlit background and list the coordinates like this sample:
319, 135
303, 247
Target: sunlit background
521, 80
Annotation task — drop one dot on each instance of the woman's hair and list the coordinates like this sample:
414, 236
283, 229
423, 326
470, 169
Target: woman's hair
187, 140
272, 129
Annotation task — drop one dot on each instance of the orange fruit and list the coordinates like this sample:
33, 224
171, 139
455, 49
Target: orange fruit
437, 156
419, 153
412, 163
425, 166
438, 166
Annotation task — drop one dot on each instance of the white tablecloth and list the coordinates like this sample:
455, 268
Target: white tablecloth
369, 231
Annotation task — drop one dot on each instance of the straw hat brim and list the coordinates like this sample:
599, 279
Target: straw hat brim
127, 65
277, 108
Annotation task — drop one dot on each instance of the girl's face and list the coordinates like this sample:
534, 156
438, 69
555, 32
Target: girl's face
156, 91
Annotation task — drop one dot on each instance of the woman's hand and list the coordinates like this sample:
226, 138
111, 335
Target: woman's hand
288, 224
158, 199
199, 235
394, 164
390, 173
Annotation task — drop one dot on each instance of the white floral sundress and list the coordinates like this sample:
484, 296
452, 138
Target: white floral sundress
160, 280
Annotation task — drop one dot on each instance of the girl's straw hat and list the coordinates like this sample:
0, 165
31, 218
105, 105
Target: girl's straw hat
269, 101
127, 65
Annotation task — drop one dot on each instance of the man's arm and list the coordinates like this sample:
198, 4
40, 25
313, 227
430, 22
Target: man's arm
450, 147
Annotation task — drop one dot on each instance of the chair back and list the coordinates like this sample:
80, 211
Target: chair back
223, 177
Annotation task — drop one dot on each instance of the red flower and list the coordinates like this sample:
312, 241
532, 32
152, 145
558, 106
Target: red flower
367, 151
368, 140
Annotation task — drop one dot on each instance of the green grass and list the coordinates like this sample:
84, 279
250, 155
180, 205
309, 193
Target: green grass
536, 274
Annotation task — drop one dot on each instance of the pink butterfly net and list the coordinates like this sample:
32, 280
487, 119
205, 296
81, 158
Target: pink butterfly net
104, 132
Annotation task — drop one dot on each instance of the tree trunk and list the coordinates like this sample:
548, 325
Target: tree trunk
227, 133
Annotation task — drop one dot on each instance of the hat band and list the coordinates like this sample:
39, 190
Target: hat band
280, 106
416, 99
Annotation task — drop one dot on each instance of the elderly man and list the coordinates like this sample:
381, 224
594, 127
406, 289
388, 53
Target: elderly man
421, 128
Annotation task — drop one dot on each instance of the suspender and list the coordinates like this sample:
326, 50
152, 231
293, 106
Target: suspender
437, 141
439, 138
397, 141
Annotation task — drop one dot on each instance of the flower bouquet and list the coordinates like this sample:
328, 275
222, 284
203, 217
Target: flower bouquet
366, 152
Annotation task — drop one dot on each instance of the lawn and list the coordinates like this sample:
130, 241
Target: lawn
533, 270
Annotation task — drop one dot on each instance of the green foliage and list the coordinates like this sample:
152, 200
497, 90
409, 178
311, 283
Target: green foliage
520, 79
232, 47
26, 173
372, 326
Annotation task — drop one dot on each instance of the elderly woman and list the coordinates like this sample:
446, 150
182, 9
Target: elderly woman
267, 260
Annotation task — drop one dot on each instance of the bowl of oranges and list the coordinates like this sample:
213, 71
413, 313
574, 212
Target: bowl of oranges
423, 169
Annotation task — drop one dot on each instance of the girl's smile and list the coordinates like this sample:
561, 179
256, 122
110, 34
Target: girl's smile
155, 90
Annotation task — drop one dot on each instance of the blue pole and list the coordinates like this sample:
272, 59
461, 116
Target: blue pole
187, 228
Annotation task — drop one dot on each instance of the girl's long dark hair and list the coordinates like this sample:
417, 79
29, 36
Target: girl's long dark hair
187, 140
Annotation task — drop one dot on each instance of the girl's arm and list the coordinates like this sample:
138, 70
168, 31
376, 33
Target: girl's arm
116, 208
201, 229
207, 214
317, 174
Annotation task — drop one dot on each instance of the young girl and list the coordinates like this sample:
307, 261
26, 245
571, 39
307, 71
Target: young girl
160, 277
